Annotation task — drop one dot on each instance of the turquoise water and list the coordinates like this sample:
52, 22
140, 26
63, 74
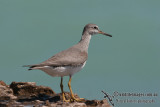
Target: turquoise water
32, 31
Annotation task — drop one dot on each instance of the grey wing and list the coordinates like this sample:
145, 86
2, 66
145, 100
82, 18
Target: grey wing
67, 57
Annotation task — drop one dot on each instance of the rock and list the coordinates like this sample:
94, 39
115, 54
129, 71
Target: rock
94, 103
5, 92
20, 94
3, 83
29, 90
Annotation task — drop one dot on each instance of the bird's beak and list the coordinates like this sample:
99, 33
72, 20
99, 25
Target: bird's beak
100, 32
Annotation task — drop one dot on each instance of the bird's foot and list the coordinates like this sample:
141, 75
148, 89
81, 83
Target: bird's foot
64, 99
76, 99
72, 99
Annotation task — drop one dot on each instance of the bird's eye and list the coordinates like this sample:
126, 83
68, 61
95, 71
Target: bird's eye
95, 27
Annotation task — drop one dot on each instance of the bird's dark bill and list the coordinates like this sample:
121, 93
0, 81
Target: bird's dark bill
100, 32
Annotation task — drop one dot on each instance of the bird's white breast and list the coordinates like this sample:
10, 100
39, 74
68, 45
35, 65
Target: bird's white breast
62, 71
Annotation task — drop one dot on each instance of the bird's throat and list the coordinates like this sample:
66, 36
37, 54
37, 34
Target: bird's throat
84, 42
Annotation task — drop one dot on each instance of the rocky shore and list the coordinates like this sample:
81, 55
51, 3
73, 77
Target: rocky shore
28, 94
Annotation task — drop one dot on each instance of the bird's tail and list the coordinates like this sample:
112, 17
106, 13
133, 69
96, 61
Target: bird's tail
30, 66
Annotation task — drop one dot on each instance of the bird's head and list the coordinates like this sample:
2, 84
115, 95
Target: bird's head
93, 29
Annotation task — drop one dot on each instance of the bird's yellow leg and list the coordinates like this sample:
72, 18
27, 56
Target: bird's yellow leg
63, 96
72, 95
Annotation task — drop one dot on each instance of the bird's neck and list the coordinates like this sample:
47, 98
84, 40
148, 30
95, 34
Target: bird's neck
84, 42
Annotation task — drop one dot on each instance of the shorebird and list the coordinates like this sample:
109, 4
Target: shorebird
69, 61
